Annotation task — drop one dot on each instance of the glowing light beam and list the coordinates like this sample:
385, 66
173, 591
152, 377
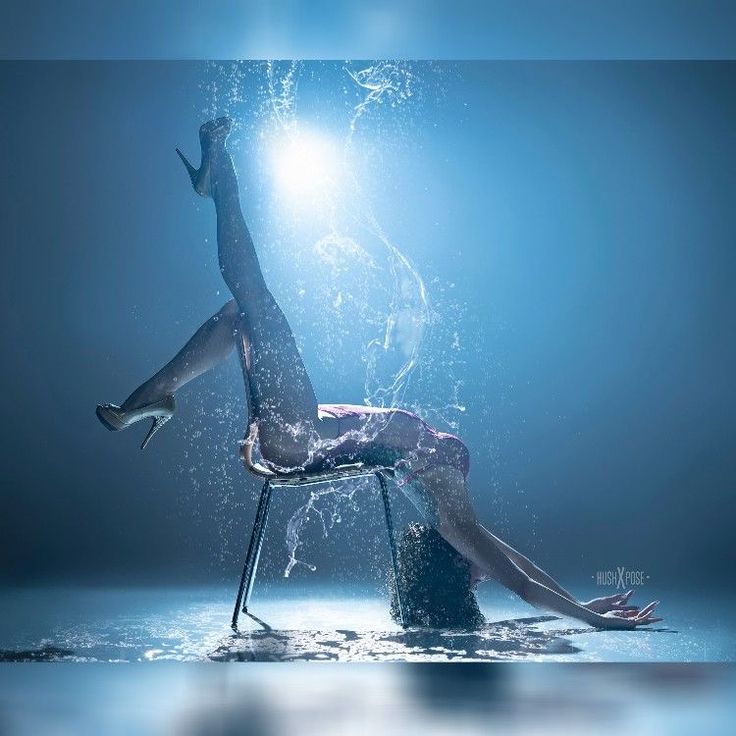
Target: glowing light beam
306, 166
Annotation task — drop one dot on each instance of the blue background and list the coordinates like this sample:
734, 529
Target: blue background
584, 213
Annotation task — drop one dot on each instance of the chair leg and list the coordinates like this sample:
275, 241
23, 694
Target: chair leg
259, 543
392, 543
254, 551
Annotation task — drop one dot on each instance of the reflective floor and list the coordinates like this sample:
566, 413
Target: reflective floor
407, 699
308, 622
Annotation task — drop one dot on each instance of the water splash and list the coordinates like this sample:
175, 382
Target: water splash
327, 503
282, 89
392, 356
393, 353
382, 81
388, 303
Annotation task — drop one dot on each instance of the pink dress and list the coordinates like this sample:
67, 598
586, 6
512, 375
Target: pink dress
434, 447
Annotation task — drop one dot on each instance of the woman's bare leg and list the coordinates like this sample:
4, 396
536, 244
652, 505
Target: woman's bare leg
208, 347
283, 400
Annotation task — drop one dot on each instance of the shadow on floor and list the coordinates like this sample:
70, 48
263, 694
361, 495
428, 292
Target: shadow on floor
519, 638
46, 654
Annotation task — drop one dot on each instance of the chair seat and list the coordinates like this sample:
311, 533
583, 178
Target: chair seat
318, 475
302, 476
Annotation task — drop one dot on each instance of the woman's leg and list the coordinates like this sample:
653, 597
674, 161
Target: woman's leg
208, 347
283, 400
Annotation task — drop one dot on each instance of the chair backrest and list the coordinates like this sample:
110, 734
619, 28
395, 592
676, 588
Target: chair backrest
246, 451
251, 438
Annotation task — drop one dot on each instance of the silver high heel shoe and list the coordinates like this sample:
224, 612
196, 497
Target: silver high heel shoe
209, 132
115, 418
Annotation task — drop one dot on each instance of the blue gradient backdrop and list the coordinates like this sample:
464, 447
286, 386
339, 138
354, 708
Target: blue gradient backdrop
585, 213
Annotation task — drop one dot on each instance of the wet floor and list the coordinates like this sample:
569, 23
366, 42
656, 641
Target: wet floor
317, 623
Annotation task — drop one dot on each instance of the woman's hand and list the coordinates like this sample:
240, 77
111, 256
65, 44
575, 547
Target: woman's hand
618, 602
628, 619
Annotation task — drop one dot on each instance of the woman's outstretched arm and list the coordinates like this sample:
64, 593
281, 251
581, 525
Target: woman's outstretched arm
532, 570
615, 602
470, 539
458, 524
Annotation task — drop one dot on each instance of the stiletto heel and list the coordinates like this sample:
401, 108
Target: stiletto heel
200, 176
210, 133
158, 422
193, 173
115, 418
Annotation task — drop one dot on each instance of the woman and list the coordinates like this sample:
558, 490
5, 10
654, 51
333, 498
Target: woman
295, 432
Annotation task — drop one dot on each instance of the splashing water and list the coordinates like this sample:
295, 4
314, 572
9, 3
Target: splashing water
384, 80
392, 356
393, 330
282, 93
328, 504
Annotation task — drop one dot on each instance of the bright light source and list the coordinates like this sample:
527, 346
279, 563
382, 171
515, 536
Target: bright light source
306, 166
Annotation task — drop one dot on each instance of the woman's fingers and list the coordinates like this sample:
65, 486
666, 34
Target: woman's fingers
621, 599
648, 608
646, 616
631, 617
621, 614
620, 607
646, 621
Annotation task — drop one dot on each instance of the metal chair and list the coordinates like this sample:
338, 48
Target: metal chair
300, 478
